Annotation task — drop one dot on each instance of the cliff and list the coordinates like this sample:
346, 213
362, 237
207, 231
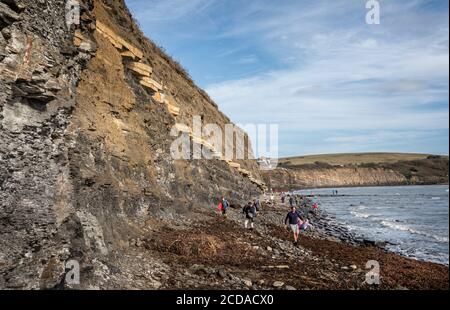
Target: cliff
86, 114
89, 186
289, 176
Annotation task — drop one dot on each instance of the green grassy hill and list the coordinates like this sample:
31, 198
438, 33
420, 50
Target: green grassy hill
352, 158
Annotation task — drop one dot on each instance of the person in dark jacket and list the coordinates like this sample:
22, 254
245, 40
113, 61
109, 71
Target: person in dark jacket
250, 215
225, 206
292, 220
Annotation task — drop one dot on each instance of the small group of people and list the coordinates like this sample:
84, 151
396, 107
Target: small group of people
250, 211
293, 199
294, 220
223, 206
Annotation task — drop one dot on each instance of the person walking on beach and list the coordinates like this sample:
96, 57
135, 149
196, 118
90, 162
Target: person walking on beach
306, 225
291, 201
225, 206
220, 207
257, 204
291, 221
250, 215
283, 197
315, 206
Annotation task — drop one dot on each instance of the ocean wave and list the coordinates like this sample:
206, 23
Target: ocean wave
418, 254
360, 214
401, 227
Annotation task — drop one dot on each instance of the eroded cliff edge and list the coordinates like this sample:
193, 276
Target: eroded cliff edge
427, 171
85, 118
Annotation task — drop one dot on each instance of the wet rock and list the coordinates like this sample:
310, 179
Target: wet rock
381, 244
7, 15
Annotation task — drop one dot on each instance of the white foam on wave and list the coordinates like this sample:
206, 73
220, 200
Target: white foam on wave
435, 198
360, 214
401, 227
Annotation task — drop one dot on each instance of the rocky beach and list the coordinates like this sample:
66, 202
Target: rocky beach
208, 251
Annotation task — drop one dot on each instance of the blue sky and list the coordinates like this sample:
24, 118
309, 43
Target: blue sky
332, 82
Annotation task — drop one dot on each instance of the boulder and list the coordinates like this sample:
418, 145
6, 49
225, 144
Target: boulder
7, 16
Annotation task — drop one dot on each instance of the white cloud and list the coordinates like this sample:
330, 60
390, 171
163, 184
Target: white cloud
167, 10
344, 75
250, 59
341, 79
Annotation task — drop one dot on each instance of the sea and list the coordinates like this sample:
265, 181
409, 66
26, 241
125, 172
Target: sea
412, 219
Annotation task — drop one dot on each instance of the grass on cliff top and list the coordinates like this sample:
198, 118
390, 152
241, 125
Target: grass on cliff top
353, 158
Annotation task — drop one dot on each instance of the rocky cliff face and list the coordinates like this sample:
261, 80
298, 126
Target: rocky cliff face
432, 170
294, 179
86, 114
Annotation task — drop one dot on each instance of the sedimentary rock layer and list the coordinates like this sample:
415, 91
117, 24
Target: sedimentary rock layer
85, 142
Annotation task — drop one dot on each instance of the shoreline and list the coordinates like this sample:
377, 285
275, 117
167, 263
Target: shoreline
216, 252
340, 231
362, 186
329, 228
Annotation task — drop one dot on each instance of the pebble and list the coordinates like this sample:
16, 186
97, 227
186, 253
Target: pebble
290, 288
278, 284
222, 273
269, 249
354, 267
248, 283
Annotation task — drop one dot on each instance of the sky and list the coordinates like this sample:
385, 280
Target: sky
332, 82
